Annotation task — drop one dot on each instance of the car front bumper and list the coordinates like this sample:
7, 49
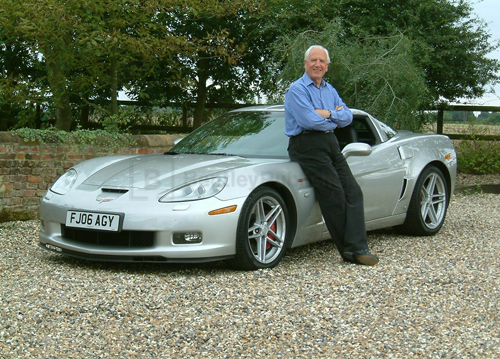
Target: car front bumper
159, 222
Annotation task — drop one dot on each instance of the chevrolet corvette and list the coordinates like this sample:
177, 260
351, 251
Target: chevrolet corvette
228, 191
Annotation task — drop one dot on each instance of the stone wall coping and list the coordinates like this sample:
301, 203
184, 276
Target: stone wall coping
142, 140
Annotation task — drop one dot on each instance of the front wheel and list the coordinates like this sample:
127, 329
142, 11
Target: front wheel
428, 205
262, 231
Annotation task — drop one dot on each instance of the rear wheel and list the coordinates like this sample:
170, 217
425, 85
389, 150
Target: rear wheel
262, 231
428, 205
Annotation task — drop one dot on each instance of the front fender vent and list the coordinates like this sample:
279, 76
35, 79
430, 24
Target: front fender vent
403, 189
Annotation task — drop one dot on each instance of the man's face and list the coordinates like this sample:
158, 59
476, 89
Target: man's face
316, 65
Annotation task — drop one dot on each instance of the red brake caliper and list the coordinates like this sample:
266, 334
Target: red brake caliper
273, 228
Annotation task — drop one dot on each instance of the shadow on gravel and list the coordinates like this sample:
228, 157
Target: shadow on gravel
162, 268
138, 268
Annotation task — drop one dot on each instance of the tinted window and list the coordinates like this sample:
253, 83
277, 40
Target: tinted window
247, 134
386, 130
364, 131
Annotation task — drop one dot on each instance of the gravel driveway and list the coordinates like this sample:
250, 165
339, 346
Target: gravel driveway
432, 297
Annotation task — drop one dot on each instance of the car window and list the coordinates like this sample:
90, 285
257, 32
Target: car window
243, 133
385, 129
364, 132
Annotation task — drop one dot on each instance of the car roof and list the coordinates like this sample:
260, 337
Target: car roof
281, 108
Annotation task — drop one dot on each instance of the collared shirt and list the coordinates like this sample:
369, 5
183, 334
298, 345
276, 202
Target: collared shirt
301, 100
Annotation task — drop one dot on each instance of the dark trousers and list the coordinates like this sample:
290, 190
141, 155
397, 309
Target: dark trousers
339, 195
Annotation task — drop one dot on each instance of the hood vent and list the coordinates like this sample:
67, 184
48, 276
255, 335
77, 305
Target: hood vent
110, 194
114, 190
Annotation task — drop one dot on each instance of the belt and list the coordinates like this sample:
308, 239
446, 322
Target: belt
313, 131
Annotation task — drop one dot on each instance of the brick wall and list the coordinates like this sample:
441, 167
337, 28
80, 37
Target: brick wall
28, 168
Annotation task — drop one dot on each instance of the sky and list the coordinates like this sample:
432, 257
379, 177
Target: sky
489, 11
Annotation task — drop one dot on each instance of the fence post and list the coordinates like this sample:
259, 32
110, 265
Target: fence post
440, 121
184, 115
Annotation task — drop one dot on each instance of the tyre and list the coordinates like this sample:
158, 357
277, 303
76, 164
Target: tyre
428, 204
262, 232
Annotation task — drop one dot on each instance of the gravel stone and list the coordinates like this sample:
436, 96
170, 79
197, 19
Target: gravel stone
429, 297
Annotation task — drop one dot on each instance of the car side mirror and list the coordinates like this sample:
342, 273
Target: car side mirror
357, 149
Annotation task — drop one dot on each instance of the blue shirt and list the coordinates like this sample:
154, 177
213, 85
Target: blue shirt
301, 100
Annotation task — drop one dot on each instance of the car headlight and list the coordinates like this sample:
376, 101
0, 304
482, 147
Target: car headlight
65, 182
196, 190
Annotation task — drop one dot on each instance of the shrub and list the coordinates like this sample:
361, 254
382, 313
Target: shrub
478, 157
107, 139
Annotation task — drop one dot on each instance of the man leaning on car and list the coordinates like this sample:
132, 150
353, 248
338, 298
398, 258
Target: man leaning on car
313, 109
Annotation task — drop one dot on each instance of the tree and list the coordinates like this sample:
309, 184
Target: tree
391, 58
220, 67
373, 74
21, 80
86, 46
447, 42
493, 119
278, 26
483, 116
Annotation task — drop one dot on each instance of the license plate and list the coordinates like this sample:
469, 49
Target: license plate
94, 220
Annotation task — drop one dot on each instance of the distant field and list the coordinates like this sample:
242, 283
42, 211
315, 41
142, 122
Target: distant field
453, 128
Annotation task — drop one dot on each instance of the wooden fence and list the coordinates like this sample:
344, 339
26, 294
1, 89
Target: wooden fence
184, 128
440, 120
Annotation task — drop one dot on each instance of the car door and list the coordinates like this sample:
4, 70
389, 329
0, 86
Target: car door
381, 177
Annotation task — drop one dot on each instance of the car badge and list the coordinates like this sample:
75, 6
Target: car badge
105, 199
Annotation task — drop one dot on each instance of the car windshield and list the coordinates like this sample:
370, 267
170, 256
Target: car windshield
243, 133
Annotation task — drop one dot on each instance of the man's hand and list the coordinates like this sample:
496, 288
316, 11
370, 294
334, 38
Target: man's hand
324, 113
327, 113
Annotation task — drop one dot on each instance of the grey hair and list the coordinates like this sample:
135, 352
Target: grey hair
306, 55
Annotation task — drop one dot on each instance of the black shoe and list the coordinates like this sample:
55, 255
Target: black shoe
363, 257
348, 259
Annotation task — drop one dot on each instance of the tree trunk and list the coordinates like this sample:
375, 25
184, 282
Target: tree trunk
38, 116
114, 81
84, 116
202, 92
5, 116
60, 95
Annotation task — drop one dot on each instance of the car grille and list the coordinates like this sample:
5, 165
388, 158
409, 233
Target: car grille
125, 239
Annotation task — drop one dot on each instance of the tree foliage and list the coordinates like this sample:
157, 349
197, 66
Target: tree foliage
390, 58
220, 68
86, 47
447, 41
373, 74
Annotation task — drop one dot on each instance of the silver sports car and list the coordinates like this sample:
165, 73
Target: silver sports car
228, 191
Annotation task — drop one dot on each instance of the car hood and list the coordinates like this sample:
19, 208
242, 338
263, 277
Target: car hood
162, 171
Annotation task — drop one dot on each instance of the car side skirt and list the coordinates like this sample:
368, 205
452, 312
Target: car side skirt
386, 222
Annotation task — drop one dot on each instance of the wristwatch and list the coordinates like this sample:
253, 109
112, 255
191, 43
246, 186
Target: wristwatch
330, 114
